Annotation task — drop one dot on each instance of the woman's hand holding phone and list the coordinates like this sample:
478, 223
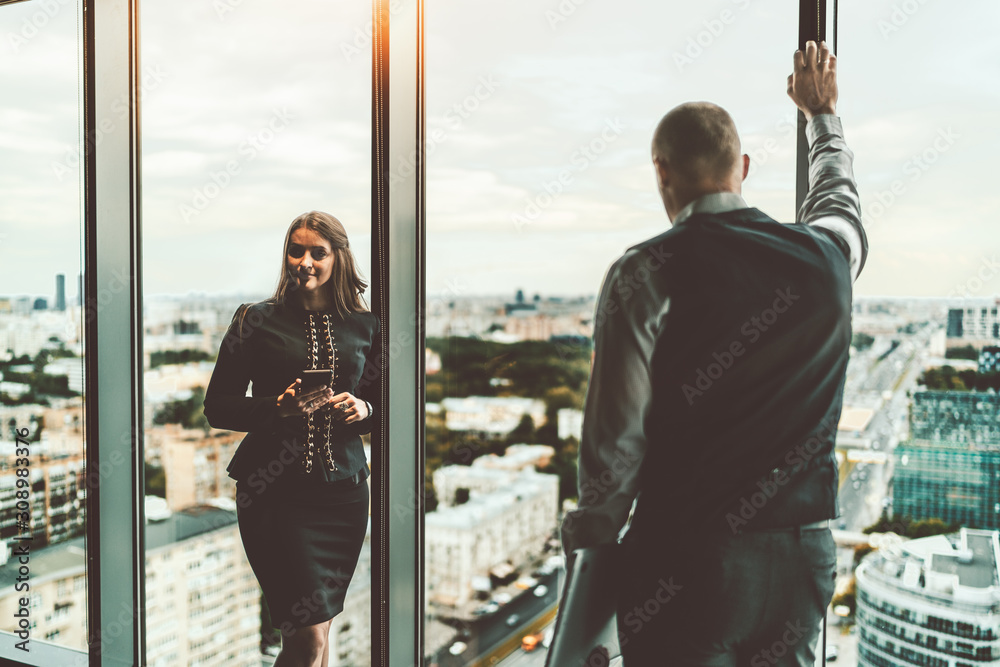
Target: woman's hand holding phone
298, 401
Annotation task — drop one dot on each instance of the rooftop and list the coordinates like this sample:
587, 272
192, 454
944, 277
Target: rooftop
956, 570
69, 557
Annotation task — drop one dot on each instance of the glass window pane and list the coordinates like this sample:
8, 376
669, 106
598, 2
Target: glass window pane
42, 480
925, 144
539, 125
255, 116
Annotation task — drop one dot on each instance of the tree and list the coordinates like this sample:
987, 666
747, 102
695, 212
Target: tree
523, 432
861, 551
848, 598
156, 481
862, 341
965, 352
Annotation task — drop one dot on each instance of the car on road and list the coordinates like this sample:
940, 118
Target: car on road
530, 642
458, 648
541, 590
485, 609
831, 653
513, 620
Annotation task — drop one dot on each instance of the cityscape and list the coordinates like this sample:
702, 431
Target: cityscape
918, 446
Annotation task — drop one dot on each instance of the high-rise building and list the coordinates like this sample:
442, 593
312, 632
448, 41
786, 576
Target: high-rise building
950, 469
934, 601
60, 291
975, 322
955, 417
195, 465
202, 599
954, 484
504, 527
57, 496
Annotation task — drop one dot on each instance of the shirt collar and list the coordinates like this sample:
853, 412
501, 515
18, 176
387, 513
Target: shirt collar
715, 202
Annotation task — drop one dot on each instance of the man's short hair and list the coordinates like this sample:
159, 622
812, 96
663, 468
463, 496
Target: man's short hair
698, 139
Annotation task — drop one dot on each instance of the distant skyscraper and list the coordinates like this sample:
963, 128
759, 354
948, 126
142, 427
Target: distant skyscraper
60, 291
79, 289
41, 304
950, 469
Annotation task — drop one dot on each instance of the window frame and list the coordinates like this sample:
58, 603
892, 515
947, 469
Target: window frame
114, 437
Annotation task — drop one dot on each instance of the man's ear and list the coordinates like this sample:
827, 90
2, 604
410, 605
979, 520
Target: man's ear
662, 171
746, 166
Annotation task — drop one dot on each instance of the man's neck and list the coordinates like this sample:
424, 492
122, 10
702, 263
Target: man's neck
710, 202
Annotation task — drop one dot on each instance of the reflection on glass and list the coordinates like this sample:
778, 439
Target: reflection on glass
43, 585
539, 125
255, 117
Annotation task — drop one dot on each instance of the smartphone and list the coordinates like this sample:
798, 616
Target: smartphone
316, 378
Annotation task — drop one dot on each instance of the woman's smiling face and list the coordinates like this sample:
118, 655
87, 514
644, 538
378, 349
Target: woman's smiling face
310, 259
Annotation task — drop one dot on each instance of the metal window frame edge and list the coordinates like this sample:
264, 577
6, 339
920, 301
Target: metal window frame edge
113, 331
113, 437
398, 232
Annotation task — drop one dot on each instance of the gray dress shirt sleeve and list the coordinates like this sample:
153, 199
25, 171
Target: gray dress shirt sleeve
832, 201
627, 321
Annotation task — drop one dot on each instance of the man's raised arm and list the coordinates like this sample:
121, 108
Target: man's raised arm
832, 201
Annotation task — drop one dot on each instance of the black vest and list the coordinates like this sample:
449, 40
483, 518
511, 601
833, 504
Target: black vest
748, 374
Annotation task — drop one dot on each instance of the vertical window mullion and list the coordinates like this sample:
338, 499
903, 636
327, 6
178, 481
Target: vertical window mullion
398, 233
113, 331
812, 26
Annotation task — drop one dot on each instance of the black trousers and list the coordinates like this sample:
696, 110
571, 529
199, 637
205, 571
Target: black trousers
753, 599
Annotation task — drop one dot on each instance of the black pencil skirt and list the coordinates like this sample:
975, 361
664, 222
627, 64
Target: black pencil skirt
303, 542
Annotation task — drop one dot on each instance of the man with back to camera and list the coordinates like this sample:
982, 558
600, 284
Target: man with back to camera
720, 354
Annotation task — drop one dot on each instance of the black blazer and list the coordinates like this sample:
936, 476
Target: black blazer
266, 345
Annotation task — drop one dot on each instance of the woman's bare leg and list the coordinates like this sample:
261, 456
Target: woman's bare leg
304, 647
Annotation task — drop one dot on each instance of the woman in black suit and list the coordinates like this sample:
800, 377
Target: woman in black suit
301, 471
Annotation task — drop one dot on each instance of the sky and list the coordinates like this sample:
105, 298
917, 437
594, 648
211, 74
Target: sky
539, 118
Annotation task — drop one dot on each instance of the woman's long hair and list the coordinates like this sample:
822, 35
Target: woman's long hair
345, 286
